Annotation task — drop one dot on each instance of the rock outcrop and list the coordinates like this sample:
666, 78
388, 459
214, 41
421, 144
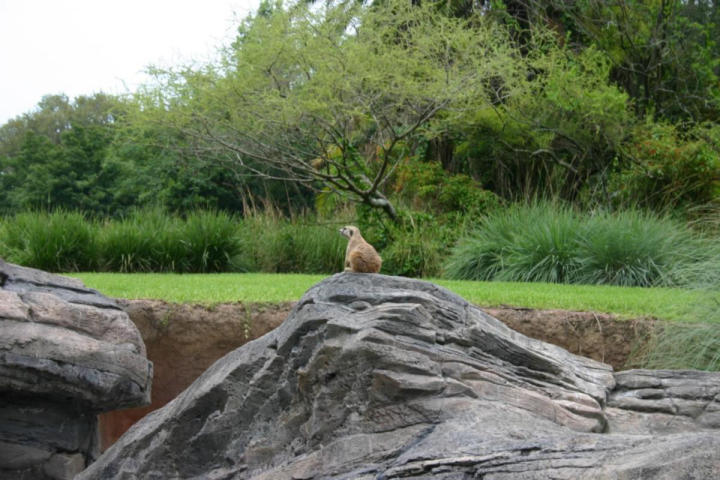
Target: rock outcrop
376, 377
66, 354
182, 341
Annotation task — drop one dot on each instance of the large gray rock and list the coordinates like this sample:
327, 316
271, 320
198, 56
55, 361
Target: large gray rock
66, 354
664, 401
376, 377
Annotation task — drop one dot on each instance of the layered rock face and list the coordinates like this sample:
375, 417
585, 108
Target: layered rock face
376, 377
182, 341
66, 354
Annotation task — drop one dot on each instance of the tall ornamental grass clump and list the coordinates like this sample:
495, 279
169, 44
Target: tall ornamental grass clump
544, 249
144, 241
153, 241
553, 243
681, 346
521, 243
273, 243
58, 242
695, 343
210, 242
149, 240
633, 248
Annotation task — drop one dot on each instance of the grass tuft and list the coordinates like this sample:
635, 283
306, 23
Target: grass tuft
272, 243
550, 243
59, 242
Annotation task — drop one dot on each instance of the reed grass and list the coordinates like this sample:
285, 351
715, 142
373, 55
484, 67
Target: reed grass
551, 243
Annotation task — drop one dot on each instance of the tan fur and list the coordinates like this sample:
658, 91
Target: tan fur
360, 256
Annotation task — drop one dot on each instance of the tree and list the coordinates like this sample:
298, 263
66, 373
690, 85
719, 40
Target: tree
335, 97
55, 156
663, 53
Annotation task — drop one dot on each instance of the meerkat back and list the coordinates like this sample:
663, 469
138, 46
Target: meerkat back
360, 256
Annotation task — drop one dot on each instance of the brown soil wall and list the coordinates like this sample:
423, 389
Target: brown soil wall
183, 340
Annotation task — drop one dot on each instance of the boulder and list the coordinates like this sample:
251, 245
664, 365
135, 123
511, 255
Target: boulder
66, 354
378, 377
182, 341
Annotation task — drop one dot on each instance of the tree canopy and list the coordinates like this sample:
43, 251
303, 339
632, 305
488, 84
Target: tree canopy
593, 102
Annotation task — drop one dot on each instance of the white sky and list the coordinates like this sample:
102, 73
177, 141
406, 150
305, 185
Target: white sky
79, 47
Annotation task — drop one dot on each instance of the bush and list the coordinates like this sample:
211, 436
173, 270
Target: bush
210, 241
153, 241
670, 169
272, 243
415, 245
551, 243
57, 242
427, 186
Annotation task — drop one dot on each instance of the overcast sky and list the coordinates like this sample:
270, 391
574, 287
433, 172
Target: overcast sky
79, 47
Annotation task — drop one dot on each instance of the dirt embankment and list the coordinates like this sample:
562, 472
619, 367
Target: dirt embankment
183, 340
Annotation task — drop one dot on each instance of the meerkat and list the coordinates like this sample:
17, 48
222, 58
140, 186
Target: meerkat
360, 256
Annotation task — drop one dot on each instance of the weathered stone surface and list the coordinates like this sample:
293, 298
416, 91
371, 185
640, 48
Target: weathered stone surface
62, 339
182, 341
63, 466
66, 354
664, 401
376, 377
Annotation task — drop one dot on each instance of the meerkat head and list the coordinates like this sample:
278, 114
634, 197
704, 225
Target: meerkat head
349, 231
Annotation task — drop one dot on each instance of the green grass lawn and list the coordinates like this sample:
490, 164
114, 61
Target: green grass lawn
665, 303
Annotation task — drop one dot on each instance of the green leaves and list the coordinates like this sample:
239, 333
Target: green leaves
341, 86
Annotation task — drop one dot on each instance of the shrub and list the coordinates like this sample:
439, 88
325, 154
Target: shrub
272, 243
544, 248
415, 245
631, 248
551, 243
416, 248
210, 241
670, 168
426, 185
57, 242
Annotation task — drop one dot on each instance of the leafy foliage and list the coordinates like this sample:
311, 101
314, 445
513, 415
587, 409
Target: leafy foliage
337, 96
671, 169
427, 186
664, 54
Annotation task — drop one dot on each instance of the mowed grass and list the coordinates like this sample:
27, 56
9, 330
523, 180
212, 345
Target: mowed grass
664, 303
205, 288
